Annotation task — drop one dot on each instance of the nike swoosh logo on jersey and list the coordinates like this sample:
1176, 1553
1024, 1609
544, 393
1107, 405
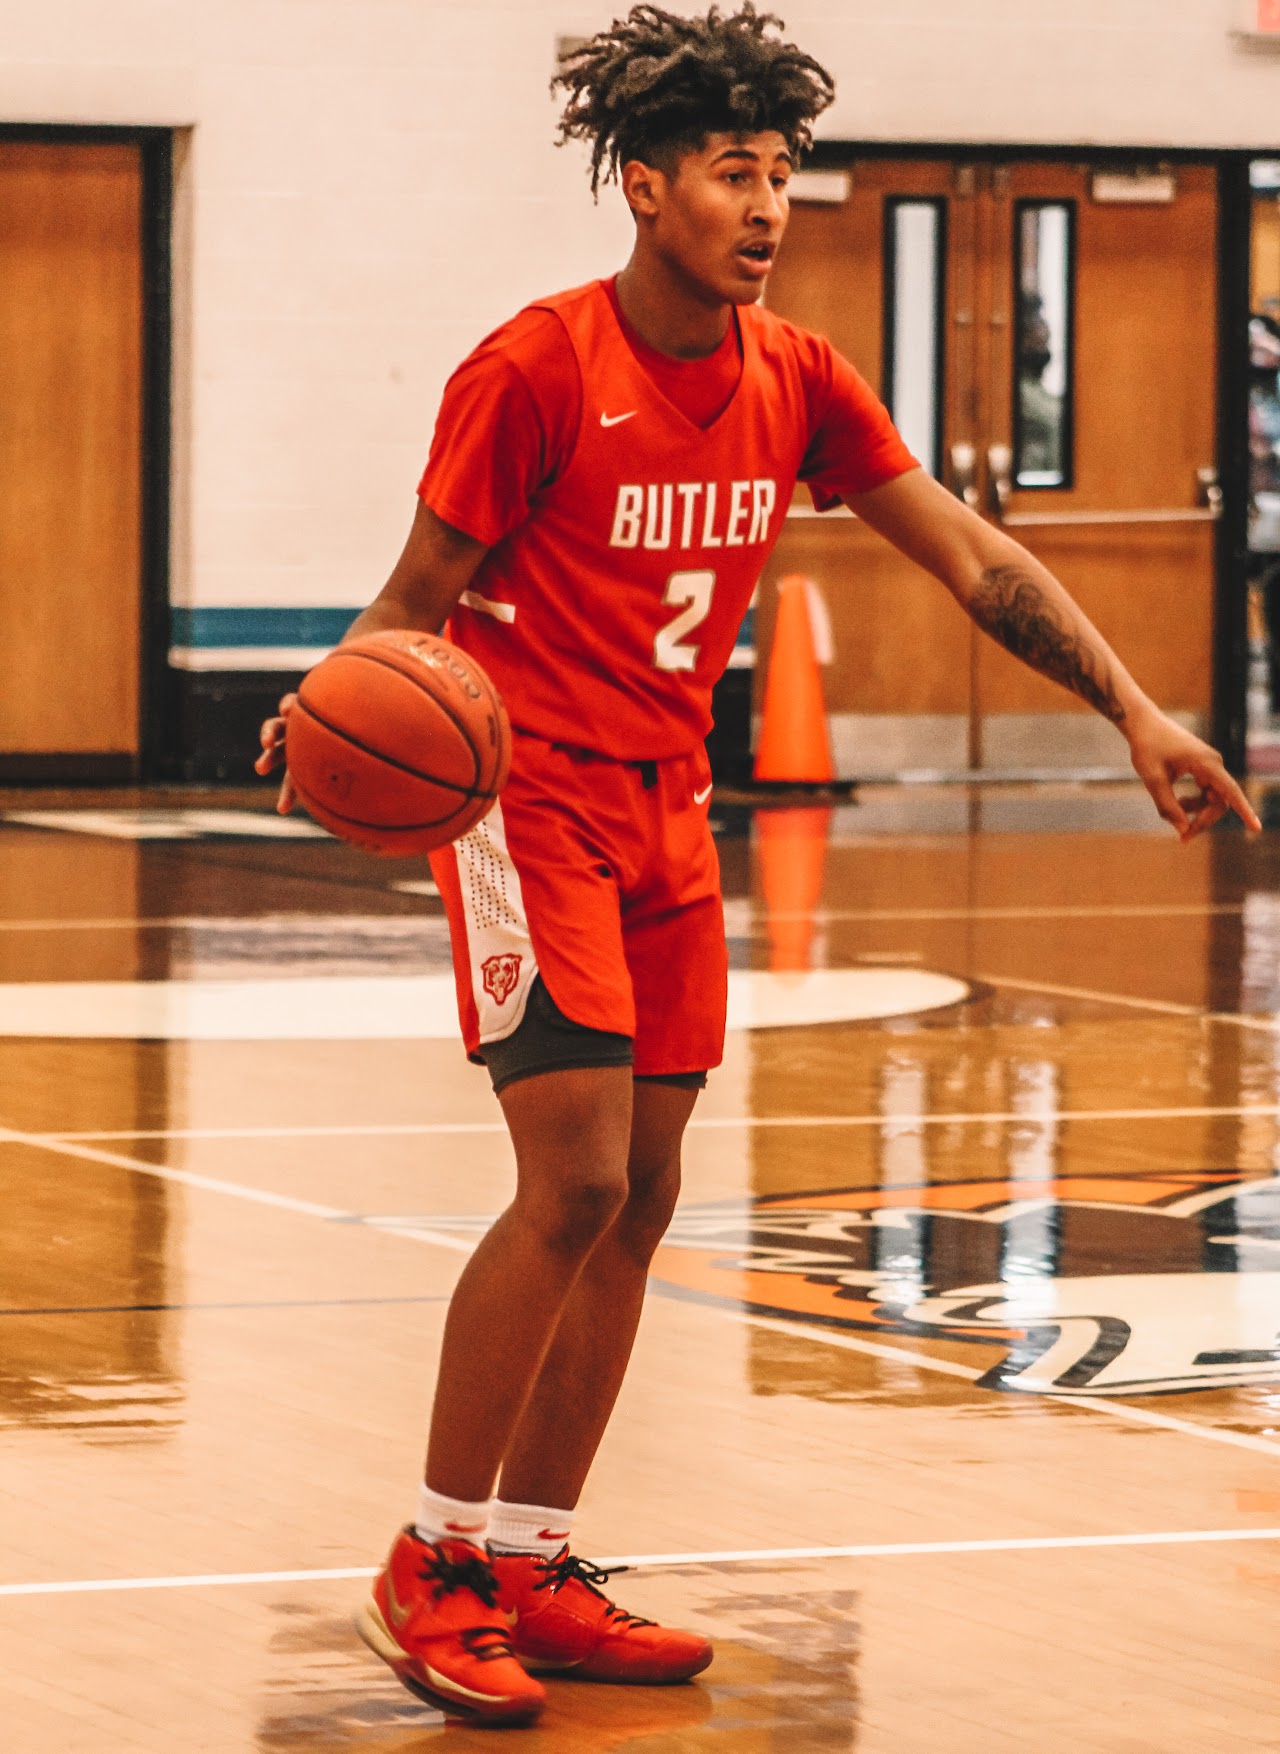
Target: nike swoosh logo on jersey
617, 419
701, 797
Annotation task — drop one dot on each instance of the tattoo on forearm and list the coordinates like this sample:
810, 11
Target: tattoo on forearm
1012, 608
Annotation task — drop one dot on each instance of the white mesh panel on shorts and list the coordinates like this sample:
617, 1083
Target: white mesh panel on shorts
499, 947
483, 870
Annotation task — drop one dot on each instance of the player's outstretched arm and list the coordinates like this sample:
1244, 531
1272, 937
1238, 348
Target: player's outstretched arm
435, 567
1024, 608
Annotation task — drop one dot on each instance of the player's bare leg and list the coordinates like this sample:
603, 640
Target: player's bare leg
434, 1614
573, 1397
562, 1621
572, 1136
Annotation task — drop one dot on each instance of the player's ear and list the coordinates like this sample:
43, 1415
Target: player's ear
641, 185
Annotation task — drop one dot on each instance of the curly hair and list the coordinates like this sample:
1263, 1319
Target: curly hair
655, 84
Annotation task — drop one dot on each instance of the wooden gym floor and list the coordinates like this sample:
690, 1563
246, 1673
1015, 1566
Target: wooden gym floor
955, 1416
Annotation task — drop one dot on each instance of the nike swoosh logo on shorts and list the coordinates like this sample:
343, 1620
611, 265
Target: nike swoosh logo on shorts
617, 419
701, 797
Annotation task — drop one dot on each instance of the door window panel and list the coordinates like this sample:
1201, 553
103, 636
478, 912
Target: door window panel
915, 310
1045, 274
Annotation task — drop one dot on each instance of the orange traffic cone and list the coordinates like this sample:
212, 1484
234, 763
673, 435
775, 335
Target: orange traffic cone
794, 743
792, 851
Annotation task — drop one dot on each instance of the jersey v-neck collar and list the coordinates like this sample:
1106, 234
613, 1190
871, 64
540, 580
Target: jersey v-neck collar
655, 364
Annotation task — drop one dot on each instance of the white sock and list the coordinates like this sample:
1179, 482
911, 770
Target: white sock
450, 1519
528, 1528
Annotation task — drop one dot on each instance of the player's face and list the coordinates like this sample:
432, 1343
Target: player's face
718, 220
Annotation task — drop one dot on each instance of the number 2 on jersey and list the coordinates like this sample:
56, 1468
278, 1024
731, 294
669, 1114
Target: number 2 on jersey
691, 591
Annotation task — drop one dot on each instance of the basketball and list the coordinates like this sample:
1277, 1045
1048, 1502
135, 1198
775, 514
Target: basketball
398, 742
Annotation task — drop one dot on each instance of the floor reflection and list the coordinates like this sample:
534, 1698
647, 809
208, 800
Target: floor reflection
85, 1269
785, 1678
325, 1694
299, 944
788, 1678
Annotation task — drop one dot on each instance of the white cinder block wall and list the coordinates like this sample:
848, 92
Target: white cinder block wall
367, 186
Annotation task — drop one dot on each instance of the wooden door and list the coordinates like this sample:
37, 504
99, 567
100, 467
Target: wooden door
1108, 499
70, 449
1133, 403
899, 692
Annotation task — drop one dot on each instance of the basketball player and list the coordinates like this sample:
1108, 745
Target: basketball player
609, 472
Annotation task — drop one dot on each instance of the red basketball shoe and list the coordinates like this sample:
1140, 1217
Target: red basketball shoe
433, 1617
563, 1623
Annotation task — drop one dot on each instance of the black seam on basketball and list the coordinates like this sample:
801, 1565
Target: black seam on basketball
378, 755
445, 708
389, 827
495, 700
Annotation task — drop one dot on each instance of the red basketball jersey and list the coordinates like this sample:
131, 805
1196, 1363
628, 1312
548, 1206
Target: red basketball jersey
607, 616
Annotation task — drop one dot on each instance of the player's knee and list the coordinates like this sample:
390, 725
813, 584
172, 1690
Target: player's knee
575, 1215
652, 1192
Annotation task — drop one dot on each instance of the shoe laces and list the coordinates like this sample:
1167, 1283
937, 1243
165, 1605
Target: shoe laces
486, 1643
474, 1574
567, 1568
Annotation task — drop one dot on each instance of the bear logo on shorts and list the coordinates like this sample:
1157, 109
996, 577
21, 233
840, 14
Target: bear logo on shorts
500, 974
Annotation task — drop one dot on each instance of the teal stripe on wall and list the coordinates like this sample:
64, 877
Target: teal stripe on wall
260, 627
221, 627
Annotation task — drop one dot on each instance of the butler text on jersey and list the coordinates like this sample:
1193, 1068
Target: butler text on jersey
697, 520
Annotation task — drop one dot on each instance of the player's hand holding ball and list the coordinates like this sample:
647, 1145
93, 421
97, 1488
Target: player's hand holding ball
272, 737
397, 742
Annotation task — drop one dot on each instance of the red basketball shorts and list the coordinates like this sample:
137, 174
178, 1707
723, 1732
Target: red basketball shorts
601, 876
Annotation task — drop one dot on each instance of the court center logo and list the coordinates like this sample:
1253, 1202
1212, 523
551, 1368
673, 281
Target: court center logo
1148, 1284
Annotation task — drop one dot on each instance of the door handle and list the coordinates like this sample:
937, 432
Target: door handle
1209, 489
964, 473
1000, 465
1147, 515
1208, 509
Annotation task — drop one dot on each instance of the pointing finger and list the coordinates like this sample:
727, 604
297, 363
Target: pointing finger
1219, 784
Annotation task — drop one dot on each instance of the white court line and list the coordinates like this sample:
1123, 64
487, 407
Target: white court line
1102, 911
375, 1130
264, 923
206, 1580
163, 1172
1241, 1019
1170, 910
914, 1549
707, 1123
653, 1561
116, 924
465, 1245
1168, 1005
